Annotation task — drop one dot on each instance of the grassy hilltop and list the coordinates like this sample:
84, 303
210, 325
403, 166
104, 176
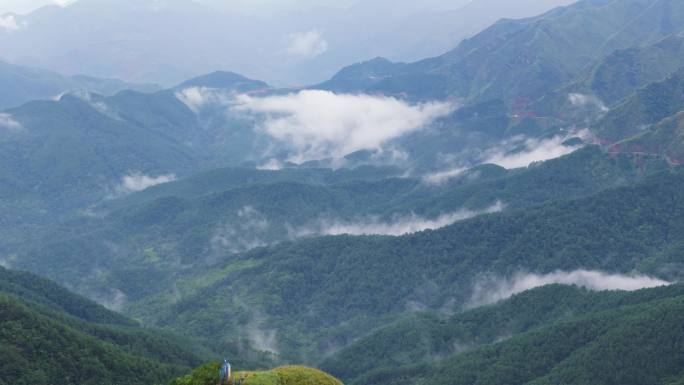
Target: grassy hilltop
284, 375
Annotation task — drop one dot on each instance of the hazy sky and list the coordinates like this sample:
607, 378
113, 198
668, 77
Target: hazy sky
26, 6
22, 6
284, 42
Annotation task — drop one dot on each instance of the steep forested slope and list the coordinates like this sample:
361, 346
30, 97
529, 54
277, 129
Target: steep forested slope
19, 85
31, 287
190, 224
645, 107
237, 258
665, 138
49, 335
629, 69
518, 60
559, 335
426, 338
323, 292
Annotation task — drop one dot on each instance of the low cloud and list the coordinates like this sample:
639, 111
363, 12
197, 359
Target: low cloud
96, 102
399, 225
531, 150
263, 340
7, 261
582, 100
196, 98
9, 23
7, 122
441, 177
113, 299
307, 44
270, 165
321, 124
491, 290
63, 3
136, 181
249, 230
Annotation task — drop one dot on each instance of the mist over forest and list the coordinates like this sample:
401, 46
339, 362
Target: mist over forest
299, 192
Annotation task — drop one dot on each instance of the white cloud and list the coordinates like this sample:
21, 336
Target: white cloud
8, 122
534, 150
582, 100
138, 182
7, 261
307, 44
9, 23
444, 176
398, 226
321, 124
196, 98
493, 290
270, 165
248, 231
63, 3
261, 338
114, 299
95, 101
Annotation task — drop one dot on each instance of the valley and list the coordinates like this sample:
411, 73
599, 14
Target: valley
510, 211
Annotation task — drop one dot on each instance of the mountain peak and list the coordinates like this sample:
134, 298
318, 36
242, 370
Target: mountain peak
224, 80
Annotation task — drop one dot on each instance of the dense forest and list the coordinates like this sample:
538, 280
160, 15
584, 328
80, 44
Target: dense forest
298, 285
49, 335
510, 211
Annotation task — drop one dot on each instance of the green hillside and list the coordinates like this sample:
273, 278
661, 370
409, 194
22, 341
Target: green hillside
646, 107
597, 338
626, 70
181, 231
432, 338
295, 292
33, 288
611, 80
192, 223
523, 59
41, 167
19, 85
284, 375
37, 348
49, 335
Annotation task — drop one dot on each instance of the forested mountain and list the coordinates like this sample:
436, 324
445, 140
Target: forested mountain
550, 335
284, 42
662, 138
19, 85
52, 336
398, 223
647, 106
193, 127
295, 292
625, 70
523, 59
225, 80
62, 155
193, 223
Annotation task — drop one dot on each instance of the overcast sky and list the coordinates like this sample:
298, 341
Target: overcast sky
284, 42
21, 6
26, 6
249, 6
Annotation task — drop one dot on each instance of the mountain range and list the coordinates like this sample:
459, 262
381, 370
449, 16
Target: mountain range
24, 84
509, 212
283, 44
